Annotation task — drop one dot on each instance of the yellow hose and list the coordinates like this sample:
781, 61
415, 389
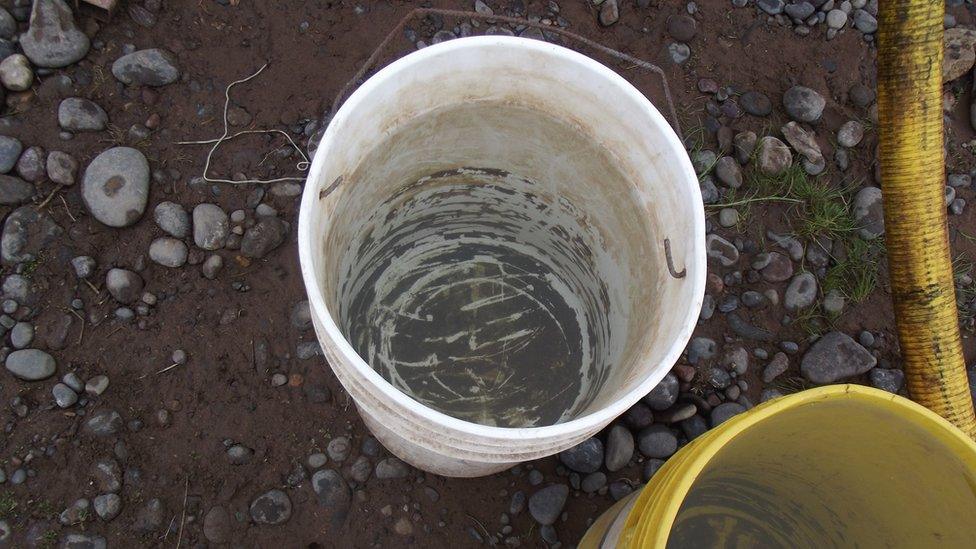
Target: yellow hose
913, 187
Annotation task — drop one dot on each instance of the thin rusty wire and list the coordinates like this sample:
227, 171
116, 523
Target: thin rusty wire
419, 12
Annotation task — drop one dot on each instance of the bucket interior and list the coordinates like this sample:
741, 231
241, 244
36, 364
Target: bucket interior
836, 473
480, 274
483, 227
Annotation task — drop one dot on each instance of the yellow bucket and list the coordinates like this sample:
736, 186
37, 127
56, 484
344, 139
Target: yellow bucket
837, 466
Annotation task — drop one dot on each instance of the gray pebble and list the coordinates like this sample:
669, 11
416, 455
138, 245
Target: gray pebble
317, 460
271, 507
547, 504
210, 226
585, 457
21, 335
30, 364
76, 114
657, 441
64, 396
338, 449
887, 380
173, 219
96, 385
168, 252
620, 448
723, 412
107, 506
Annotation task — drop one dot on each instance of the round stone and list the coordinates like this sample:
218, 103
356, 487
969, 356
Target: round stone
546, 505
271, 507
657, 441
53, 39
682, 27
152, 67
21, 335
210, 226
16, 73
756, 103
172, 218
585, 457
168, 252
115, 187
76, 114
64, 396
803, 104
30, 364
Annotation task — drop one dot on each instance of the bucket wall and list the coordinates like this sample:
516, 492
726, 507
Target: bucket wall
536, 148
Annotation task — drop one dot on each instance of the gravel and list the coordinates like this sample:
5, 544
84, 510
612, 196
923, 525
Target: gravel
721, 249
850, 134
104, 423
664, 394
776, 367
338, 449
15, 73
62, 168
96, 385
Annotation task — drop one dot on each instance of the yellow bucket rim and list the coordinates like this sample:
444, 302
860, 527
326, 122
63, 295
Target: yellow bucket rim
659, 502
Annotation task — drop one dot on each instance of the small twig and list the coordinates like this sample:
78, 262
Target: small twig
301, 166
166, 369
66, 209
49, 197
82, 334
92, 286
186, 487
478, 522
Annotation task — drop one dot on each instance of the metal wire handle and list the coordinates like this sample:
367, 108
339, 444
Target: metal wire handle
462, 14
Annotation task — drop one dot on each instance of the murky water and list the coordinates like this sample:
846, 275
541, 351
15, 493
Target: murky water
462, 312
478, 292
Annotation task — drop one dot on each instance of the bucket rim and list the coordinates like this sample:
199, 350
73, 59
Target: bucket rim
676, 481
593, 420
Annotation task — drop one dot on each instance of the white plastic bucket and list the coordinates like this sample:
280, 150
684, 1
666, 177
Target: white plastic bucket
563, 135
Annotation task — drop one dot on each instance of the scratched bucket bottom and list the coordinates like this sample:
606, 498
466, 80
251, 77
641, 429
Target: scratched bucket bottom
481, 301
486, 339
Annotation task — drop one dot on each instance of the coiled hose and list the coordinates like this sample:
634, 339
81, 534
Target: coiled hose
910, 131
